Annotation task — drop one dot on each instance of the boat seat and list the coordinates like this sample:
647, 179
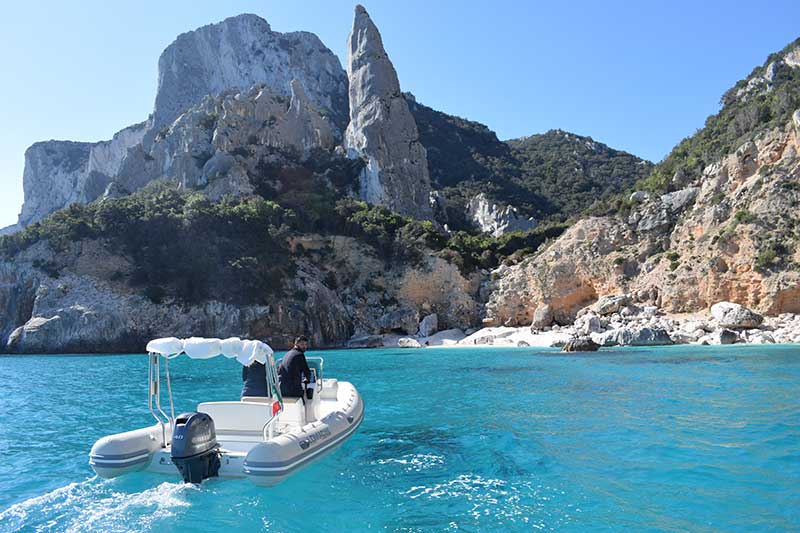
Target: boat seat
294, 411
237, 417
257, 399
330, 389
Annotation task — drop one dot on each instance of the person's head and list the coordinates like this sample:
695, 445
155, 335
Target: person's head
301, 343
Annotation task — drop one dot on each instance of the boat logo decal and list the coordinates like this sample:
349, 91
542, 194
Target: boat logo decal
323, 433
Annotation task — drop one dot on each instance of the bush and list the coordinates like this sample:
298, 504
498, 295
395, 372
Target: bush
743, 216
181, 245
770, 256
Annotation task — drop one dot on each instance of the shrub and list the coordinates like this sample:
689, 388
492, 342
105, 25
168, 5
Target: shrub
770, 256
743, 216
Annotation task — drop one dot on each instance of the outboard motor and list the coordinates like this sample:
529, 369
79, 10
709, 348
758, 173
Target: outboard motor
195, 448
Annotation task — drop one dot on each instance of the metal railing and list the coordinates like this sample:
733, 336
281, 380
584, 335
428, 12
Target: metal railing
154, 395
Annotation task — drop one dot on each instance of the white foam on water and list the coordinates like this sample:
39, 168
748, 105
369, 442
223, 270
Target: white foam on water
492, 501
96, 505
414, 462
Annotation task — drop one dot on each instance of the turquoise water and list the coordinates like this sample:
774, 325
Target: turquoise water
672, 439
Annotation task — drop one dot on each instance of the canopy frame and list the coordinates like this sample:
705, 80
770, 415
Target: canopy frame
245, 351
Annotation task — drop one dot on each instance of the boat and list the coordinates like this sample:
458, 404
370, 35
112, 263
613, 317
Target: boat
263, 439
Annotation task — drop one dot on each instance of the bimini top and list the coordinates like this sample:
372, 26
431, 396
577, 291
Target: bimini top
244, 351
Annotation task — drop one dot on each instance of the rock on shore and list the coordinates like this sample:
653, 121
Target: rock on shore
624, 324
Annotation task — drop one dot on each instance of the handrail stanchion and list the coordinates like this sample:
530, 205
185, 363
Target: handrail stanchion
169, 392
154, 393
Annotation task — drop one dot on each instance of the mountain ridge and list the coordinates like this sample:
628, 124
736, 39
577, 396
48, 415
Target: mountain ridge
264, 188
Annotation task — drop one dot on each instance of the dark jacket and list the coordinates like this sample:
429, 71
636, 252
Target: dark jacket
291, 373
255, 380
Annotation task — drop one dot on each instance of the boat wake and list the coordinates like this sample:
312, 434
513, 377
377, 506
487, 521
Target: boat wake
97, 505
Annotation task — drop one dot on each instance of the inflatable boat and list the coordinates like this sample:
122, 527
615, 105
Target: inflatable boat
264, 439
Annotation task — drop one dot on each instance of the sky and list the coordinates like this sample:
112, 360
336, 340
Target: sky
638, 76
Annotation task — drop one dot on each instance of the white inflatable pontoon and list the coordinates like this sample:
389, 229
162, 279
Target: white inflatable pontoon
264, 439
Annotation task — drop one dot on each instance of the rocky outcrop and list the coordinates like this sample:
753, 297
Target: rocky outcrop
240, 52
219, 144
59, 173
428, 325
580, 344
399, 320
729, 236
365, 341
495, 219
408, 342
568, 275
382, 130
542, 317
731, 315
764, 80
636, 336
229, 57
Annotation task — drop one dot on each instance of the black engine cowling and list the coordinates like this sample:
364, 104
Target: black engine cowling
195, 451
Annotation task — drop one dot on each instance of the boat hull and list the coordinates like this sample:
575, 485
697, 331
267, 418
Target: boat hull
273, 461
130, 451
266, 463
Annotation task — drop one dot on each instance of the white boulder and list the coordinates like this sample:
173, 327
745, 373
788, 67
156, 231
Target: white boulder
731, 315
408, 342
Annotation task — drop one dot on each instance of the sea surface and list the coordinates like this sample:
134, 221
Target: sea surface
681, 438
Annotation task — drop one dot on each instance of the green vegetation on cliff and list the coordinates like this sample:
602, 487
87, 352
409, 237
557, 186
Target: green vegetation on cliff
551, 176
574, 172
181, 245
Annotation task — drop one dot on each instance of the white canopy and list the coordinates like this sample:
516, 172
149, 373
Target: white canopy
244, 351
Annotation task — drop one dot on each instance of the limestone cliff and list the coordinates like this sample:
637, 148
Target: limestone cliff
240, 52
219, 144
81, 300
382, 129
725, 232
495, 219
58, 173
233, 55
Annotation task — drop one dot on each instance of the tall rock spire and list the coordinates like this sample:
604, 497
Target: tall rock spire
382, 129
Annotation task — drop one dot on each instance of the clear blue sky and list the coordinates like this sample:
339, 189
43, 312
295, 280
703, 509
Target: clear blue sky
638, 76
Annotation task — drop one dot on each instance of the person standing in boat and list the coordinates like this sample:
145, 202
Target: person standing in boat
293, 372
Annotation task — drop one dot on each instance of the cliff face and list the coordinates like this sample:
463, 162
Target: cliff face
90, 306
235, 54
382, 129
58, 173
243, 51
220, 144
728, 232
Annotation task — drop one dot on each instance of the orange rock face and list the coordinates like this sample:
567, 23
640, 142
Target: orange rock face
736, 241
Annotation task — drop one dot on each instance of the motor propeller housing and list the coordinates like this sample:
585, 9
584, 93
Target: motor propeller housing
195, 450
